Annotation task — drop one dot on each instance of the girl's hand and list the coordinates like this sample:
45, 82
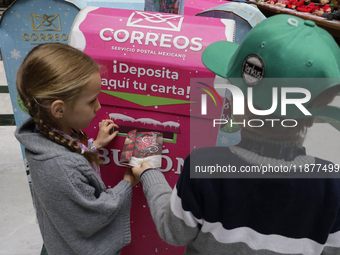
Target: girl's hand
137, 171
130, 177
104, 136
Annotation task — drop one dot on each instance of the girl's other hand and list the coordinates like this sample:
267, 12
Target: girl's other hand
104, 137
137, 171
128, 176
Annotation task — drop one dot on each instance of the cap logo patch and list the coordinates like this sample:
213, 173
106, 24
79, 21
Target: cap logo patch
252, 69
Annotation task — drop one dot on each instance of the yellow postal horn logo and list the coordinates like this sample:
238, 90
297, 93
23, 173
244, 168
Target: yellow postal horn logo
46, 22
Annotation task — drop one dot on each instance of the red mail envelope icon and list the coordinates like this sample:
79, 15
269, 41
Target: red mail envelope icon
45, 22
160, 21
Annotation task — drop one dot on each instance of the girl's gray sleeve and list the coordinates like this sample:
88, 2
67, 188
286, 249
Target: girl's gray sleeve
174, 225
71, 194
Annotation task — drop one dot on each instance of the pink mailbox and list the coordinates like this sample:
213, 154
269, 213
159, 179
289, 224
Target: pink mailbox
152, 80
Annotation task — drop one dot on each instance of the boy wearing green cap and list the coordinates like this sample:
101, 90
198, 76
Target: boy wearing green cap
287, 208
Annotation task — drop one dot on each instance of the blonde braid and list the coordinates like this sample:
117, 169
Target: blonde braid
72, 145
93, 157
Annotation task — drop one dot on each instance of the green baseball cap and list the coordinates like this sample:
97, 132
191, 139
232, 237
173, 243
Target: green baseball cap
282, 51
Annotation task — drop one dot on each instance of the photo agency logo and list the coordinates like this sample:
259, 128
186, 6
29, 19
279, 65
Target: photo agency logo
204, 97
252, 75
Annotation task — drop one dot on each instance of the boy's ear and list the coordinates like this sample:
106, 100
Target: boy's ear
57, 108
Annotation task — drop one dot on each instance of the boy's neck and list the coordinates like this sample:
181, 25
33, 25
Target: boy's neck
247, 134
280, 150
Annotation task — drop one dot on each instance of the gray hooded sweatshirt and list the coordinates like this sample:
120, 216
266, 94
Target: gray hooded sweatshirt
76, 213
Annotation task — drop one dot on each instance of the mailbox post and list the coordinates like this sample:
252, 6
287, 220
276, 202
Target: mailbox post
152, 79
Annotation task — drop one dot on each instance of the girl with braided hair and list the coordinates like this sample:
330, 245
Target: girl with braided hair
59, 86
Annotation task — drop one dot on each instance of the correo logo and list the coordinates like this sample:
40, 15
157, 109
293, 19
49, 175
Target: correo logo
45, 22
169, 22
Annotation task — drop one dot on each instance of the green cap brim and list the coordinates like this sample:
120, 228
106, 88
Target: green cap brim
217, 56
